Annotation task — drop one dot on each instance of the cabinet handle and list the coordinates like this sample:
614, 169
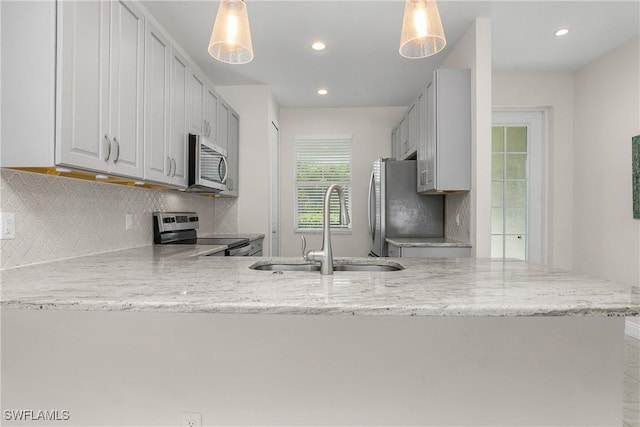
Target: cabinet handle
115, 160
423, 174
174, 166
106, 138
169, 166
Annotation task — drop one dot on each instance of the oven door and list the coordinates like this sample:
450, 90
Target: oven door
207, 166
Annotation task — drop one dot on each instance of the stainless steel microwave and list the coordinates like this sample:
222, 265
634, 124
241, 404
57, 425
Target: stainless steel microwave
207, 166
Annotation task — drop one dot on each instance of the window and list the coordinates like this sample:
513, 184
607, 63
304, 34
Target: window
320, 162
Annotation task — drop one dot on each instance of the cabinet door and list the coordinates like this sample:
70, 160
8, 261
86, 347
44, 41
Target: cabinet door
212, 100
412, 137
232, 154
178, 121
223, 124
421, 146
126, 89
198, 121
430, 155
82, 112
403, 133
156, 135
395, 149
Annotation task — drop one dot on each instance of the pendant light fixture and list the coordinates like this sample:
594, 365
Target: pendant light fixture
422, 33
231, 36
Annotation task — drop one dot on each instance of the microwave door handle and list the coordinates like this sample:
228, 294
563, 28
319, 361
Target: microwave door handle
223, 159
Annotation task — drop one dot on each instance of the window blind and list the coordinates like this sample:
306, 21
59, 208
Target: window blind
321, 162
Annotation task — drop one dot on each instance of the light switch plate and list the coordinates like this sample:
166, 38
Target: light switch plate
8, 223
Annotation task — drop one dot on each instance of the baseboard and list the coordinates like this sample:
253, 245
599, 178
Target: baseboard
632, 329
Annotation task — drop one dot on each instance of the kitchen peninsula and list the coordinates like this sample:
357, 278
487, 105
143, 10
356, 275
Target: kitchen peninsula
442, 342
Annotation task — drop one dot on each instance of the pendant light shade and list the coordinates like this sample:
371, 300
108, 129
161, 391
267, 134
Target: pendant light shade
231, 36
422, 33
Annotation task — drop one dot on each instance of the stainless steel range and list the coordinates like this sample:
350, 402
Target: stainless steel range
180, 228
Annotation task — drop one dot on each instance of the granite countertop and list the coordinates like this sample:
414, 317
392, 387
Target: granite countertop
174, 278
423, 242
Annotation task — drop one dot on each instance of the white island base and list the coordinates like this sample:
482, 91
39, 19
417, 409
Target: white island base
147, 368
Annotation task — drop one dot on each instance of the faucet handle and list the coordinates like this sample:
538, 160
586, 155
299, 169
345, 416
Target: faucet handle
304, 248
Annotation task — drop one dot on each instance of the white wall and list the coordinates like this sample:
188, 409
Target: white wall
371, 131
474, 51
256, 107
553, 93
606, 238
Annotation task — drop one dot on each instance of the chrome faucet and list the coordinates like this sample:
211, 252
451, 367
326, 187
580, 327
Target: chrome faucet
325, 255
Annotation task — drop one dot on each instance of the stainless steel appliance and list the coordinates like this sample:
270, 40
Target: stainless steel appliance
396, 209
180, 228
207, 166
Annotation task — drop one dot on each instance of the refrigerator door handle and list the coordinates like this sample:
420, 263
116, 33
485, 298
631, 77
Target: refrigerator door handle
371, 196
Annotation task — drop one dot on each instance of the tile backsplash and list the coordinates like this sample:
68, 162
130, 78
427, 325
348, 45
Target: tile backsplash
60, 217
457, 211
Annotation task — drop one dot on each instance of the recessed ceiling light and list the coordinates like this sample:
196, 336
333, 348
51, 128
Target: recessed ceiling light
318, 46
322, 92
562, 32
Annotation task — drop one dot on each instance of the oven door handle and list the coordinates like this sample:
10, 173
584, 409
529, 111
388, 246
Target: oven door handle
241, 251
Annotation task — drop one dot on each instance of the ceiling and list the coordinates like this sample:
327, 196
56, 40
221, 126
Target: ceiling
361, 66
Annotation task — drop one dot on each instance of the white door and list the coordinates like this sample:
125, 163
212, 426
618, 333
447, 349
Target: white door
126, 89
274, 140
516, 186
156, 135
82, 113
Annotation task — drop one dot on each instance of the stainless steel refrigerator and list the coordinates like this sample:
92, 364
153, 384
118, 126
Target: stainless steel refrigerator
395, 207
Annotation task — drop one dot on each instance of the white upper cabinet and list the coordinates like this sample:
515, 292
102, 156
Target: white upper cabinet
444, 148
405, 135
83, 85
232, 154
178, 122
198, 98
100, 87
157, 84
223, 124
212, 100
126, 97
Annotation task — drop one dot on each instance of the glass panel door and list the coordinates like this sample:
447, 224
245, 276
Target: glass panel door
509, 198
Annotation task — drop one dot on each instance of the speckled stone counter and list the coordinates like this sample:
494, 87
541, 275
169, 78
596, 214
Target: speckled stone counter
181, 279
426, 242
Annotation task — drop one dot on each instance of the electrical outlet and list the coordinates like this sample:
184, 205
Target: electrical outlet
128, 221
8, 224
191, 419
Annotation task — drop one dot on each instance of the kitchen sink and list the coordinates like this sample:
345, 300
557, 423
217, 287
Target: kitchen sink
348, 266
